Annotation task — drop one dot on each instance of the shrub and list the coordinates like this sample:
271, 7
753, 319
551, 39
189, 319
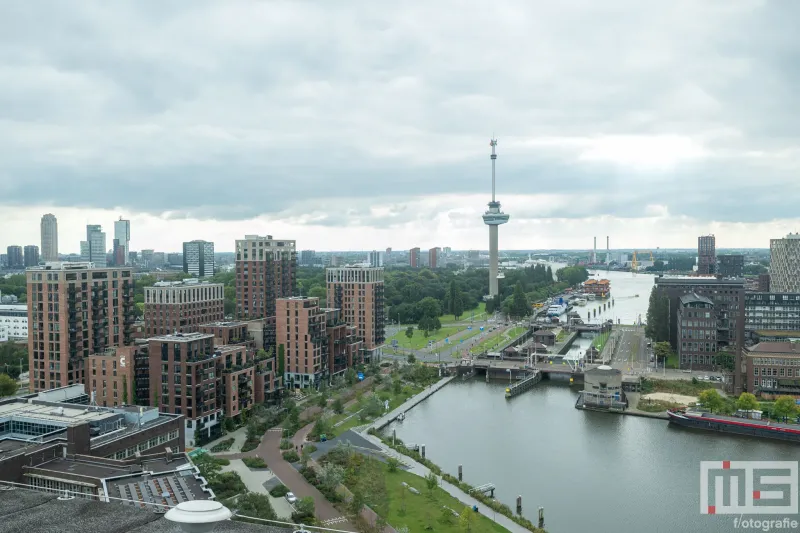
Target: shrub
310, 448
291, 456
279, 492
254, 462
223, 446
250, 445
286, 444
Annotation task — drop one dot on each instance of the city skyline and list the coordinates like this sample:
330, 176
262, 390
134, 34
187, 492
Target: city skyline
376, 136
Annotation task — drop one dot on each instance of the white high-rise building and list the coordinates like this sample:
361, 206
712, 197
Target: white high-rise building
49, 229
198, 258
122, 233
784, 271
375, 258
93, 249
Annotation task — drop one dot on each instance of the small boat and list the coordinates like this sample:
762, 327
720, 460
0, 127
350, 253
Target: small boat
579, 301
635, 295
401, 417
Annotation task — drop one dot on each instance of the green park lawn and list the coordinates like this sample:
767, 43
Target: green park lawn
395, 400
424, 512
601, 340
480, 314
498, 339
419, 340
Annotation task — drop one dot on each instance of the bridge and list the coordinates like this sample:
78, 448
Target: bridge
519, 369
485, 488
525, 384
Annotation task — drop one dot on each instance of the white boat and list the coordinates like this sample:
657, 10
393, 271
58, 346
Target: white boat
590, 296
556, 309
579, 301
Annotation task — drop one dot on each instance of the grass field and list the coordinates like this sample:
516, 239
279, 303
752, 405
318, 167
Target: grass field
601, 340
394, 401
497, 340
423, 512
480, 314
419, 340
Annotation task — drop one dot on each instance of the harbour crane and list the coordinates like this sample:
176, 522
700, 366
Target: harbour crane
635, 259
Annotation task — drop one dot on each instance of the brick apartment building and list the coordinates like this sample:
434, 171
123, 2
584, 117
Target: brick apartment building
266, 270
433, 258
773, 369
414, 258
344, 344
190, 376
727, 296
697, 332
110, 376
359, 293
302, 338
706, 254
74, 310
182, 306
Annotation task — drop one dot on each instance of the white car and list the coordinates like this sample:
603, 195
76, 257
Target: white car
291, 498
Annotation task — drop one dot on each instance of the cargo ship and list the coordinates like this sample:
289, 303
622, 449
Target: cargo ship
739, 425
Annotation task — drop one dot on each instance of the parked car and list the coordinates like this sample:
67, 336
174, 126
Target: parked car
291, 498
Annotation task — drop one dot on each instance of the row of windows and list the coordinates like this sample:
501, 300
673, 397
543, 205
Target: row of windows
145, 445
775, 361
782, 372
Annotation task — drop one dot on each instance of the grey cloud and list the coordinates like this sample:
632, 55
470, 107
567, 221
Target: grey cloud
313, 110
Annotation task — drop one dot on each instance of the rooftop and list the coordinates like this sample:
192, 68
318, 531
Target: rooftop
224, 324
182, 337
78, 265
790, 348
188, 282
695, 298
698, 280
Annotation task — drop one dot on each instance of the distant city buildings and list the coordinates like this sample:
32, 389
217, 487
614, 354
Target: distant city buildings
31, 255
93, 249
13, 322
414, 258
14, 257
122, 233
49, 237
307, 258
433, 258
730, 266
375, 259
266, 270
182, 306
95, 310
785, 264
359, 293
198, 258
706, 254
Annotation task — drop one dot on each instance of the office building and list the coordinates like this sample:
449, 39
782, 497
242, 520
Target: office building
74, 310
198, 258
31, 255
181, 306
147, 257
706, 254
190, 376
773, 369
122, 233
49, 234
785, 264
414, 258
302, 337
14, 257
772, 316
727, 296
266, 270
308, 257
433, 258
697, 332
93, 249
375, 259
13, 322
359, 293
730, 265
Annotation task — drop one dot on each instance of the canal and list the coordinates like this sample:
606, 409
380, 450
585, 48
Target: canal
592, 472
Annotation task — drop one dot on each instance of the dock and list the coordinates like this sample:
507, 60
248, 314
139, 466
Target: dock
524, 385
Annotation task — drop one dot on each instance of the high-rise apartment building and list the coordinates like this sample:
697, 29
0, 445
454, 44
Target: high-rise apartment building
784, 273
181, 306
198, 258
359, 293
730, 265
31, 255
93, 249
118, 253
706, 254
122, 233
75, 310
413, 258
307, 257
265, 271
49, 230
375, 258
14, 257
433, 258
302, 337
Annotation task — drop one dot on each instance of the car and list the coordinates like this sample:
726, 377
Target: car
291, 498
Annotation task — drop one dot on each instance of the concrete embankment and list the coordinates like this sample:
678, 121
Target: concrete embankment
408, 404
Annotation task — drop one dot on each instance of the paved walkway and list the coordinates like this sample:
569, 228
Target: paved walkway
408, 404
257, 481
239, 437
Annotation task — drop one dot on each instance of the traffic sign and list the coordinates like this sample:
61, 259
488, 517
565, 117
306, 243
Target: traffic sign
360, 376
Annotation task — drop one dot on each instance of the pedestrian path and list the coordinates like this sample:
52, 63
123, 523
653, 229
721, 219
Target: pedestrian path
408, 404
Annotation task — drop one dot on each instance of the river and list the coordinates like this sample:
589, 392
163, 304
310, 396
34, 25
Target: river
592, 472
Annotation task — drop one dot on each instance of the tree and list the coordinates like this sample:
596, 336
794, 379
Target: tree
411, 359
466, 519
8, 385
331, 475
393, 464
350, 376
410, 331
657, 328
124, 389
455, 301
255, 505
208, 466
519, 302
252, 430
338, 406
304, 510
322, 400
431, 482
784, 406
726, 361
711, 400
281, 360
747, 402
662, 351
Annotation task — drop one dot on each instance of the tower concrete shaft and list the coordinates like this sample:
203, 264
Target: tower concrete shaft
493, 261
493, 217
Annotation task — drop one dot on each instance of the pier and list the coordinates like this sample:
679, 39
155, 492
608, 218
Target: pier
487, 488
524, 385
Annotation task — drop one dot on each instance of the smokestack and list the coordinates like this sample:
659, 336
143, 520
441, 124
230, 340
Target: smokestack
608, 248
594, 251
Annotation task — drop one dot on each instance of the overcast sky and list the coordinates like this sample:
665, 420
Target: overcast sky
366, 124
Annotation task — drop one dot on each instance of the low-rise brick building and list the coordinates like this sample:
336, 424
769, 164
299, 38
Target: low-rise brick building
773, 369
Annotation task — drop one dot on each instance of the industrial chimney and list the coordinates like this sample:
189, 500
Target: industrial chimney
594, 251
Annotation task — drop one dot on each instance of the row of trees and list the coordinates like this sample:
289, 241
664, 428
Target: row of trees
16, 285
713, 401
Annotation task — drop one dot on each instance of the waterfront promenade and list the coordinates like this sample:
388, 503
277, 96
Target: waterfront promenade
405, 406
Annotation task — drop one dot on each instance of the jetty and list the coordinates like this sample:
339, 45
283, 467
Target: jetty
524, 385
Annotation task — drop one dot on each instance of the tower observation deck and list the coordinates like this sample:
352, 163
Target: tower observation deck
493, 218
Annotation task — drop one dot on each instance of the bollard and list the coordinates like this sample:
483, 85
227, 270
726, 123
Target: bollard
519, 504
422, 449
460, 473
541, 517
394, 436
